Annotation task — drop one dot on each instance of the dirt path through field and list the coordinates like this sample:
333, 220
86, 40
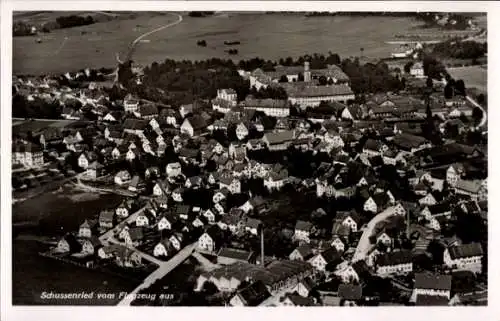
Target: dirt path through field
144, 35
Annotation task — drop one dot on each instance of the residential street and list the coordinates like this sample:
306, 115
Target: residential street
364, 242
164, 269
104, 238
485, 116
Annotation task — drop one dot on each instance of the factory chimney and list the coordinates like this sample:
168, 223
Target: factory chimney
307, 72
408, 229
262, 246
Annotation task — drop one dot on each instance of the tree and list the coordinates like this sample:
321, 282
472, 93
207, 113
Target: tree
403, 82
322, 81
209, 288
448, 91
460, 87
283, 78
408, 66
481, 99
429, 83
477, 114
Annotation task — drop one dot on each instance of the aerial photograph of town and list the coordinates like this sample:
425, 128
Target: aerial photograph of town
227, 158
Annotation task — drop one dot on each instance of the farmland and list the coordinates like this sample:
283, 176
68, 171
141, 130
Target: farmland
268, 36
473, 76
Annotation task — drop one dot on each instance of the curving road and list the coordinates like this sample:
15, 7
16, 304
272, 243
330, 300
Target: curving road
364, 244
475, 103
144, 35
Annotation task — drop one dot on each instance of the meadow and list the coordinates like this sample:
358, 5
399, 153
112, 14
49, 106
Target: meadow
270, 36
473, 76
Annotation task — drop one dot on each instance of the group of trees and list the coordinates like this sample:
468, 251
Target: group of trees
232, 51
454, 48
73, 21
200, 14
433, 68
316, 61
38, 108
268, 92
371, 78
456, 21
454, 87
21, 28
185, 81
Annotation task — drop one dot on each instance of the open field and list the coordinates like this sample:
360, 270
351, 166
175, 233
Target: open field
268, 36
473, 76
40, 17
80, 47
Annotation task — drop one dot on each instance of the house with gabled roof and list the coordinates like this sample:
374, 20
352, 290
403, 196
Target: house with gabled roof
230, 183
303, 252
432, 285
252, 295
476, 189
337, 243
163, 248
325, 258
296, 300
464, 257
177, 194
349, 219
211, 240
193, 182
106, 219
135, 126
177, 240
276, 179
253, 226
303, 230
220, 195
233, 221
228, 256
91, 245
161, 188
210, 216
304, 287
145, 218
86, 158
147, 112
125, 208
353, 272
427, 200
136, 184
278, 141
68, 244
173, 169
193, 125
374, 147
87, 228
350, 294
134, 236
182, 211
410, 143
166, 221
394, 263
